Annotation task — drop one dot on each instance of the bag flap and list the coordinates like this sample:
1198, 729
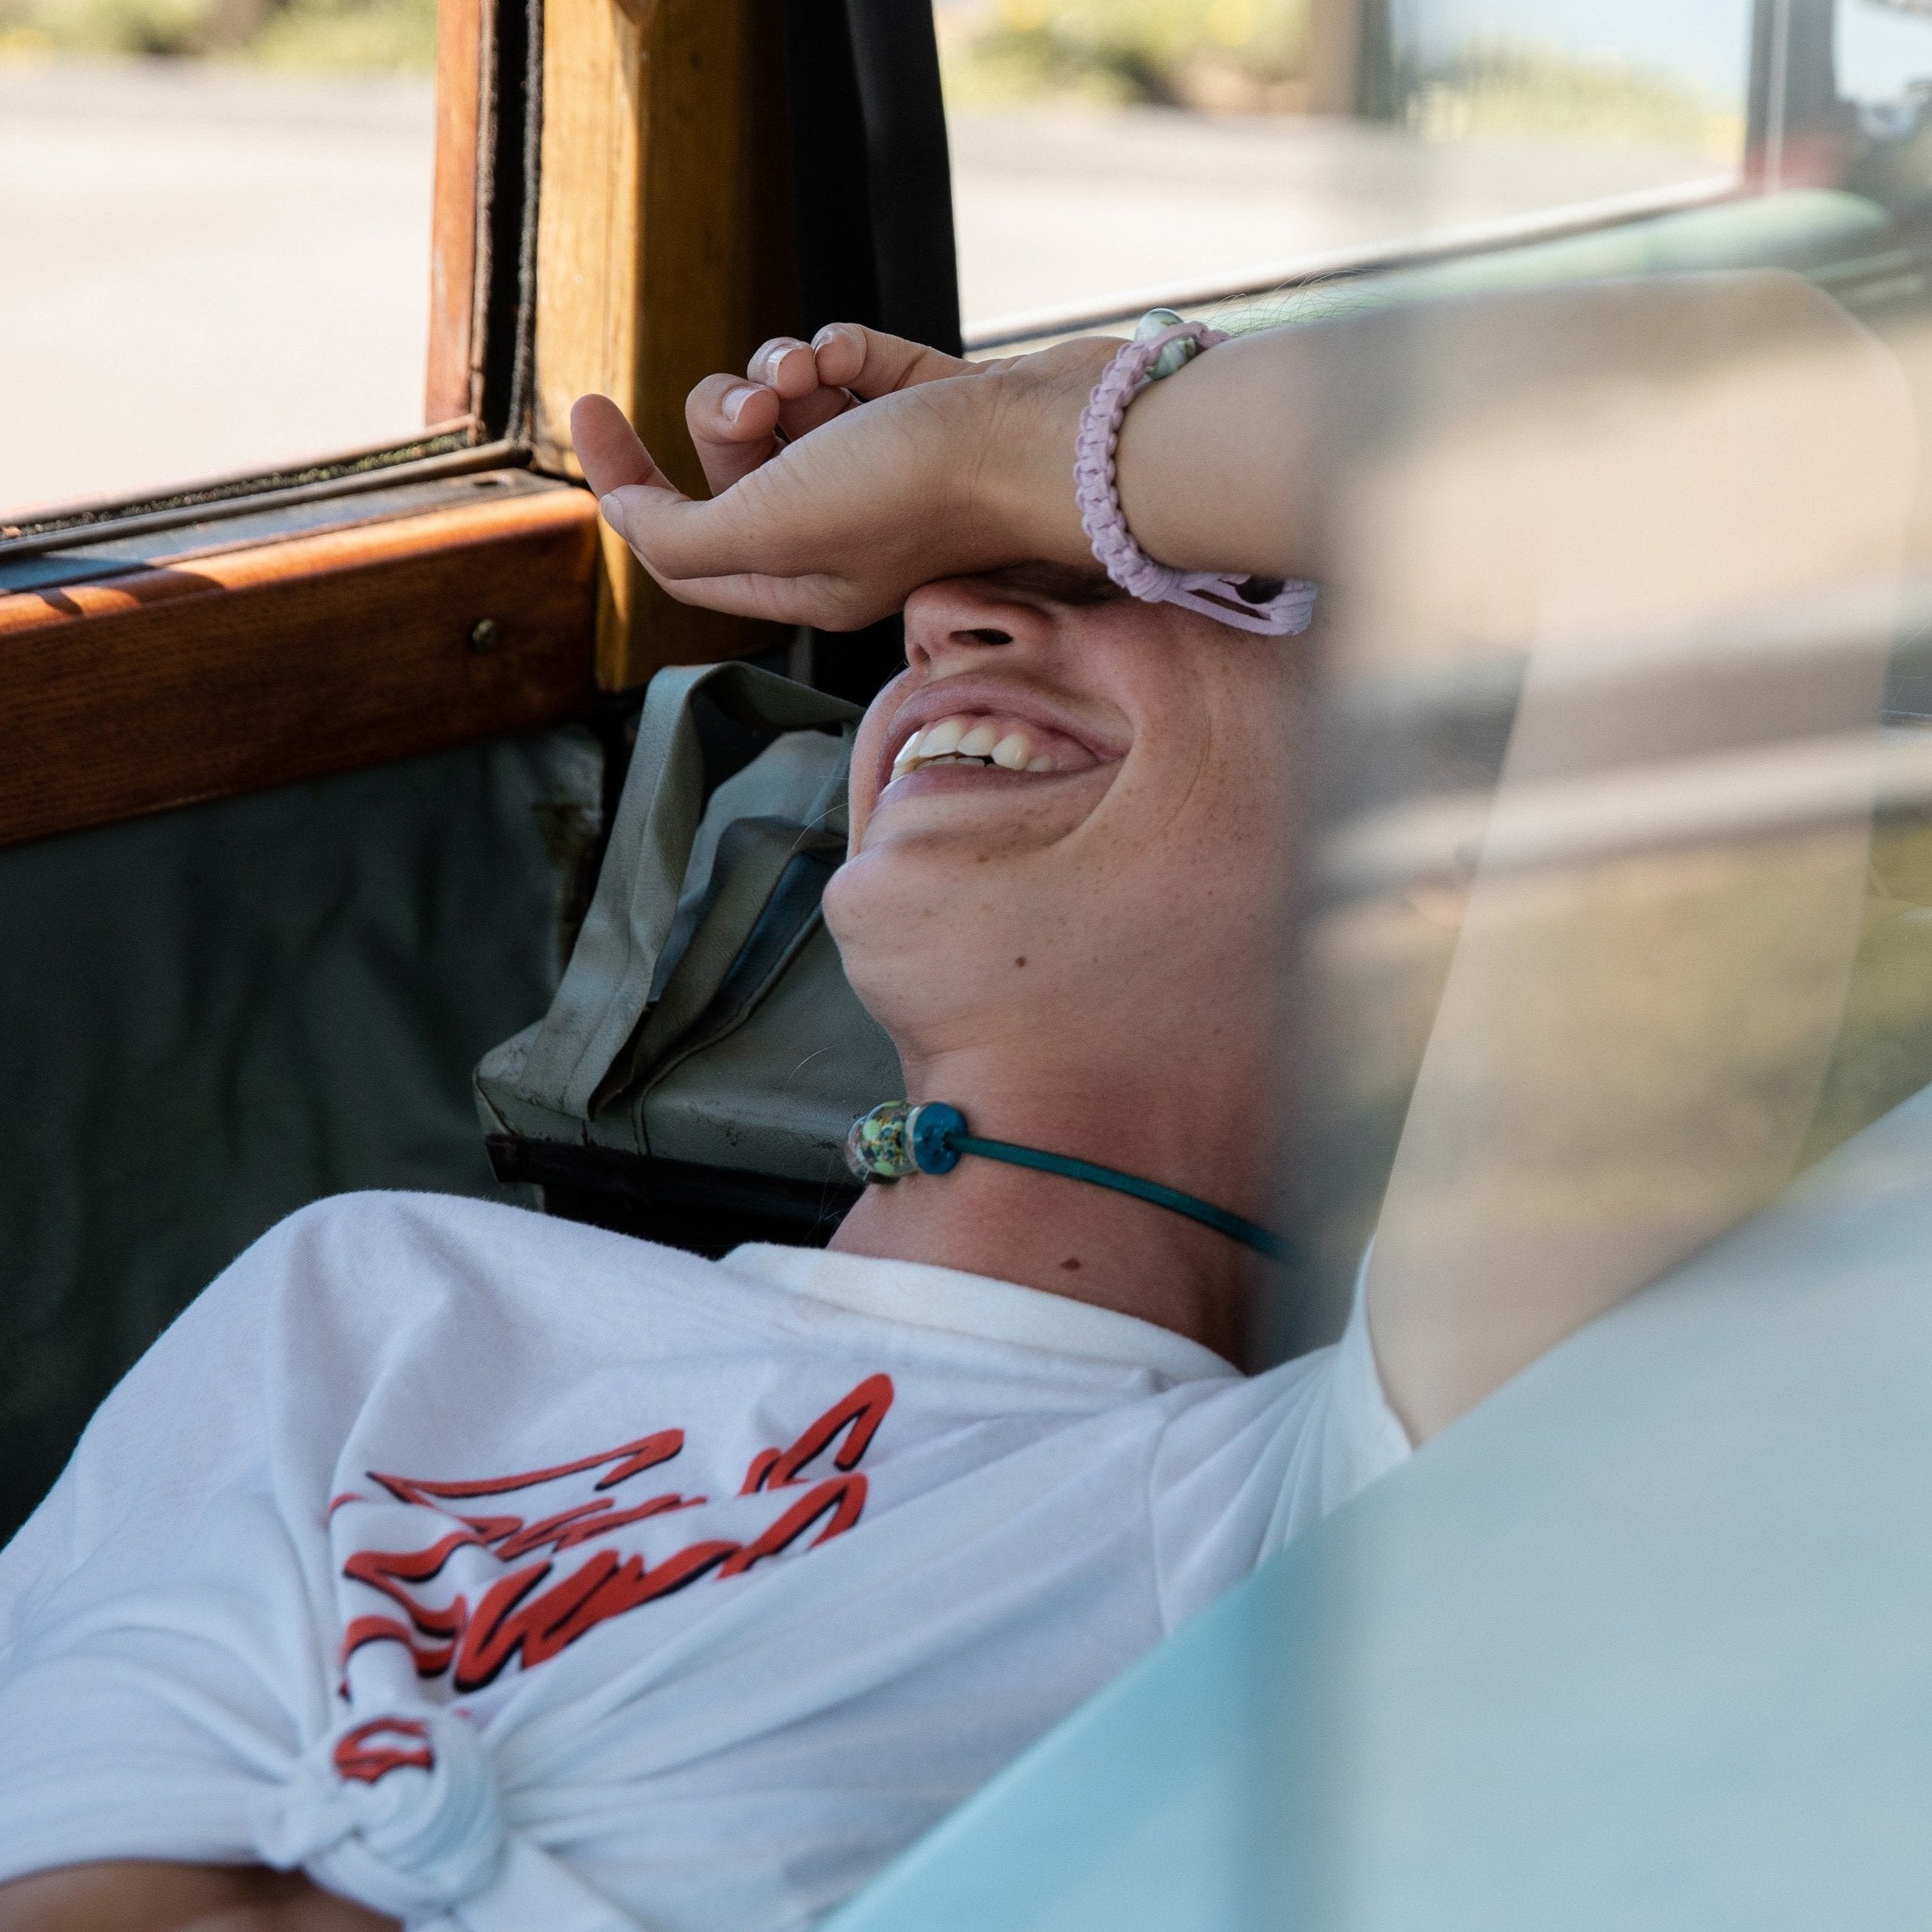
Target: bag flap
607, 989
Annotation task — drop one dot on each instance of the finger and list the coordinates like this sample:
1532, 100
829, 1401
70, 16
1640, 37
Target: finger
814, 411
869, 363
718, 554
731, 423
786, 364
663, 530
633, 507
676, 537
825, 602
608, 447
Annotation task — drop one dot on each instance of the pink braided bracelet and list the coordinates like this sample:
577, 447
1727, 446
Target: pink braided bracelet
1227, 599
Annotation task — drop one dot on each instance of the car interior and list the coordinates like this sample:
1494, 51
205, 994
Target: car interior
376, 822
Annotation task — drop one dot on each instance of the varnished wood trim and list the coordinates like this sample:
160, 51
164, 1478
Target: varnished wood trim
452, 381
663, 252
259, 667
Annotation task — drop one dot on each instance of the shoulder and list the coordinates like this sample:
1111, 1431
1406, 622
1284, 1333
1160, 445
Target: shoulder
1248, 1466
364, 1227
356, 1299
402, 1254
1322, 1419
1235, 1415
349, 1291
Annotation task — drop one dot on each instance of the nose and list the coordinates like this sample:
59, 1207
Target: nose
963, 617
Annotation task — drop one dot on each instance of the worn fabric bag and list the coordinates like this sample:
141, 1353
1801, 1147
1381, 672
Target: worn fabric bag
704, 1021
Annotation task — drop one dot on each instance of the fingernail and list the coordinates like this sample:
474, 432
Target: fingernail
734, 402
830, 334
777, 355
612, 511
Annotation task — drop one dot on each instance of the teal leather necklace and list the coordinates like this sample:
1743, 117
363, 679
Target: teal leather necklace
899, 1139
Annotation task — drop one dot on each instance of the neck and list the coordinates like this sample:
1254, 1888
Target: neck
1070, 1237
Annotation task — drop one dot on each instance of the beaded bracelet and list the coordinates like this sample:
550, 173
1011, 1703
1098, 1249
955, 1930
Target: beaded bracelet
1227, 599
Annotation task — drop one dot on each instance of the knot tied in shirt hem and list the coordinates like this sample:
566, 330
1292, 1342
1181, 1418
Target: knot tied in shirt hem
399, 1811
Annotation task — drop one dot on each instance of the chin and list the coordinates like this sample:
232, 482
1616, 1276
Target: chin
892, 902
916, 945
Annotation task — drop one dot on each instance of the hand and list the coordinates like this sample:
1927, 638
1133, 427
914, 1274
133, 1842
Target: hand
848, 471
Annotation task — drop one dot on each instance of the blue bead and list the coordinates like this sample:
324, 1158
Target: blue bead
933, 1127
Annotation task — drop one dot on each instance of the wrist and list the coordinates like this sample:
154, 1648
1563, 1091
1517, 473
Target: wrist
1249, 598
1153, 455
1211, 462
1029, 485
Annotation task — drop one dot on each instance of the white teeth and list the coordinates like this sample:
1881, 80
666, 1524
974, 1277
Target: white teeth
966, 740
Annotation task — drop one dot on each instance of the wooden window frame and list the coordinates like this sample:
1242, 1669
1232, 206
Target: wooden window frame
612, 211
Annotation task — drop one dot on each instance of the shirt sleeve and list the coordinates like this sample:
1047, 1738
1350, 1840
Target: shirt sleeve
1242, 1468
159, 1658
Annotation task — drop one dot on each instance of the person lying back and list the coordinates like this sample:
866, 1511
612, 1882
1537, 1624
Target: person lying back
448, 1564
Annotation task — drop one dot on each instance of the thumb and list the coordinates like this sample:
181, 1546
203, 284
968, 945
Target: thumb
618, 467
608, 449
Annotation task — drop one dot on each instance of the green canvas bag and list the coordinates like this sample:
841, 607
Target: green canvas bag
704, 1057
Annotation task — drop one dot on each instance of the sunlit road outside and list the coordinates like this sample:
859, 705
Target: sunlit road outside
203, 270
206, 268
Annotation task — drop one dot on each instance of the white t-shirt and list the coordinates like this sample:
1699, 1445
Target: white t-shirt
507, 1573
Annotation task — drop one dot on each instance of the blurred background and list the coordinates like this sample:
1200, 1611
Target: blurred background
227, 202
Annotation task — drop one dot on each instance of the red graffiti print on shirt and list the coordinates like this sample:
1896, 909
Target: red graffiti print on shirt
361, 1757
529, 1614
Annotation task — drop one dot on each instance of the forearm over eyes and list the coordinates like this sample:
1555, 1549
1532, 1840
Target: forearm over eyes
1246, 459
143, 1895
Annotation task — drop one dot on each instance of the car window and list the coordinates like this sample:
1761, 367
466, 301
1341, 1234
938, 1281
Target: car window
1107, 151
1883, 59
217, 220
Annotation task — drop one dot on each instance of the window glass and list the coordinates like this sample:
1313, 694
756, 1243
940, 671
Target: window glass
1884, 71
1106, 148
215, 218
1885, 59
1661, 84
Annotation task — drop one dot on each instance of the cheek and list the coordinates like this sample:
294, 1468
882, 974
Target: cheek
1210, 903
1210, 869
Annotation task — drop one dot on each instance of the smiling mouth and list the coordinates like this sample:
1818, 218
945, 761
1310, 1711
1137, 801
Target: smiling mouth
1003, 744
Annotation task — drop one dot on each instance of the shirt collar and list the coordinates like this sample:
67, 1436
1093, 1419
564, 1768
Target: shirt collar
947, 1299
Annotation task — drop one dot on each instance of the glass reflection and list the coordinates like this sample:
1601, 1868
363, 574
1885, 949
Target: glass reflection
1106, 150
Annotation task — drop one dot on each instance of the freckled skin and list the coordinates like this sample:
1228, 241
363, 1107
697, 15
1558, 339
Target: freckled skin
1146, 898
